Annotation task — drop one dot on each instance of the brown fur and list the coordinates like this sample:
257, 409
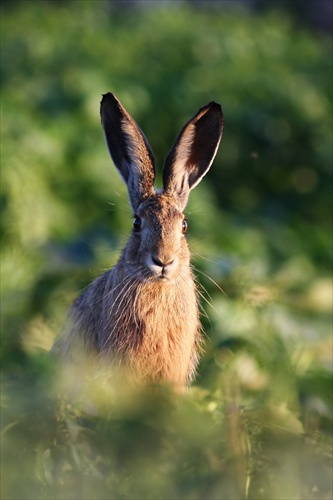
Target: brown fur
143, 313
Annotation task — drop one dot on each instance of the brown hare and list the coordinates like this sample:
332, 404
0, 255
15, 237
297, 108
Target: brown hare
143, 314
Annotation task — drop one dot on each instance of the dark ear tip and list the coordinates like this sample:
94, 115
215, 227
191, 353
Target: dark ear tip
215, 106
213, 110
109, 105
108, 97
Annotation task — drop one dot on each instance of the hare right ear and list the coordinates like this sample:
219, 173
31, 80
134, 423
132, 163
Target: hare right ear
129, 149
193, 152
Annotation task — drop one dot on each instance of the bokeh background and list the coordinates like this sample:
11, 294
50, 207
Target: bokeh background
258, 421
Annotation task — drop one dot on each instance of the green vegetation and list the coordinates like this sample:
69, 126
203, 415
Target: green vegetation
258, 421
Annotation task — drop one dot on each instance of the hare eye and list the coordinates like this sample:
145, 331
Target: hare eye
137, 224
184, 226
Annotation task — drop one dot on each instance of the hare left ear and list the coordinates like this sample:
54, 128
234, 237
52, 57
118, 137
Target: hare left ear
129, 149
193, 152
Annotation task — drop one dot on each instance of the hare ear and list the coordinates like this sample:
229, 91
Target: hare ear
193, 152
129, 149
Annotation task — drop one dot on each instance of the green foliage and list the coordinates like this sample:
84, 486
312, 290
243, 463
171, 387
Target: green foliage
258, 423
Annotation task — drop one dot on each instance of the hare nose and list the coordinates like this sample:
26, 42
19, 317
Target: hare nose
161, 263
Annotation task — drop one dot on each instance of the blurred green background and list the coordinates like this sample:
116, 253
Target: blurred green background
258, 421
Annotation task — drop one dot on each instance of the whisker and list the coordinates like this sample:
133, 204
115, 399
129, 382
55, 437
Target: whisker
124, 294
214, 282
105, 296
202, 295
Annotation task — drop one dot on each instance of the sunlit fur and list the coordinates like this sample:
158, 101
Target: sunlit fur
142, 316
132, 317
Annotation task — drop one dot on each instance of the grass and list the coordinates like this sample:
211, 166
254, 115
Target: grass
257, 423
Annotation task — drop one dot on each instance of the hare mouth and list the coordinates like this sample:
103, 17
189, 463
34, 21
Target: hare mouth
160, 271
162, 276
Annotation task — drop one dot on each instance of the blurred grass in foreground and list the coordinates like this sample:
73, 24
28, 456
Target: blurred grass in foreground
258, 422
151, 443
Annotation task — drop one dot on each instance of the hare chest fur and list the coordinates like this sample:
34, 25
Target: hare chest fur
143, 313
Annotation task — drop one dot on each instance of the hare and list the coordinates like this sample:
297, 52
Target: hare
143, 313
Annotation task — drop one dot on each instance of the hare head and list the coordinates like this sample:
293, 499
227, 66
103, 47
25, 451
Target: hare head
158, 242
144, 310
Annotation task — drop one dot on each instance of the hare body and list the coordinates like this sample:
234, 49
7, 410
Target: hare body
143, 313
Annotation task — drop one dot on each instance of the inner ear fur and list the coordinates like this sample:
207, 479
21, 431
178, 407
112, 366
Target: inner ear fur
129, 149
192, 154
